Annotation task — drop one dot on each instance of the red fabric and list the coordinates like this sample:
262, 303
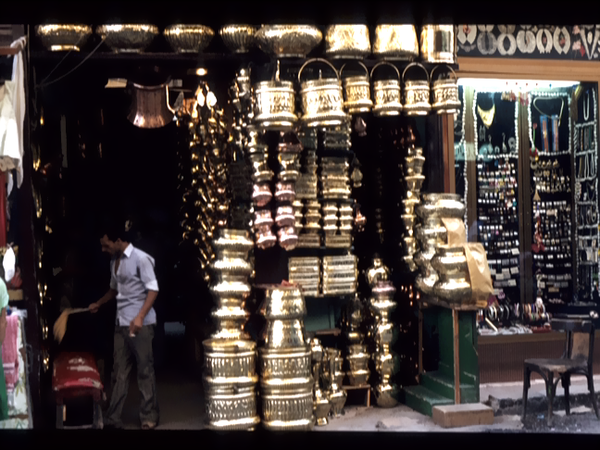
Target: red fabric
75, 371
10, 353
3, 209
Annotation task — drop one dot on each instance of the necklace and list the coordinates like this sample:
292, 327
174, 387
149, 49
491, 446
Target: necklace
586, 111
562, 106
487, 117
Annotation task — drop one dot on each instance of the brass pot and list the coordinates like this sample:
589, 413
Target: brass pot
441, 205
414, 164
188, 38
232, 409
288, 411
410, 244
347, 41
322, 408
275, 103
285, 364
377, 272
358, 361
444, 92
284, 334
230, 323
387, 94
409, 220
386, 395
322, 99
416, 93
228, 363
231, 262
439, 44
63, 38
238, 38
396, 42
358, 378
409, 261
453, 284
150, 106
357, 92
128, 38
231, 289
288, 41
410, 204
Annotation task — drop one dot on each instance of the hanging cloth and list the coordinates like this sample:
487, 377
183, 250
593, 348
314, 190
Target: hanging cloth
19, 104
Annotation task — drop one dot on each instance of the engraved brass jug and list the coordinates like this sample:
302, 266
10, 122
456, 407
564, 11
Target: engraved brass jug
387, 93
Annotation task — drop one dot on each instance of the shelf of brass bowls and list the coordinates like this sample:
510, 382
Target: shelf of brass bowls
238, 38
188, 38
62, 38
130, 38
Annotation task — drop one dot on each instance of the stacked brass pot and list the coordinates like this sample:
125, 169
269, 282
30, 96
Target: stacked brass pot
285, 361
357, 354
381, 334
454, 284
413, 170
431, 234
230, 377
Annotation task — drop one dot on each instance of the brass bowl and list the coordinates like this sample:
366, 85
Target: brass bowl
62, 38
127, 38
347, 41
288, 41
188, 38
396, 42
238, 38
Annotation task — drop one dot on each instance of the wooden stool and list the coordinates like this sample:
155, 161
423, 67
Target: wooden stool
76, 375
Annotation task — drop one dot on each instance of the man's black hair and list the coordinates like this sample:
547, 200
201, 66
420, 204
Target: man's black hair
114, 227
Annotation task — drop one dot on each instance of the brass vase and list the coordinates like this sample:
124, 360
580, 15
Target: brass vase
285, 361
337, 396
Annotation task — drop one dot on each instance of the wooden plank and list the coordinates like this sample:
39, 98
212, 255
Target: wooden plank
8, 51
521, 338
456, 416
455, 331
332, 332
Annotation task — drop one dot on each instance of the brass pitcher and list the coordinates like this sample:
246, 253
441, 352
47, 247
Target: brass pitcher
387, 94
357, 92
416, 93
445, 94
439, 44
322, 99
275, 103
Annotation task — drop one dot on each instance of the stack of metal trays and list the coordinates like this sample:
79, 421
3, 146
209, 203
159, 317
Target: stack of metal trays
338, 241
307, 184
309, 241
306, 273
339, 275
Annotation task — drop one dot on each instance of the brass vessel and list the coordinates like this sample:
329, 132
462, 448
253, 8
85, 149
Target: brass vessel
444, 92
150, 106
275, 103
439, 44
347, 41
451, 265
322, 99
238, 38
387, 93
396, 42
337, 396
288, 41
322, 407
188, 38
128, 38
63, 37
416, 93
357, 92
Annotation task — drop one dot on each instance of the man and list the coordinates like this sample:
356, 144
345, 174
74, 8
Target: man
133, 284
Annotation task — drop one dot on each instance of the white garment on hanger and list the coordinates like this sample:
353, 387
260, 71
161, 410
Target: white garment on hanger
19, 102
10, 155
8, 262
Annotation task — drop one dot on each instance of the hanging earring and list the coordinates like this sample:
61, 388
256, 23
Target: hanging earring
504, 148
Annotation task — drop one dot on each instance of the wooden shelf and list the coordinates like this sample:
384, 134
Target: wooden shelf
434, 301
8, 51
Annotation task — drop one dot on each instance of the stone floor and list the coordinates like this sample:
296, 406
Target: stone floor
181, 408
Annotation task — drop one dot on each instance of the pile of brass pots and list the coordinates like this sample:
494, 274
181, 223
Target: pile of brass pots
262, 176
431, 234
414, 178
357, 355
381, 334
230, 377
285, 361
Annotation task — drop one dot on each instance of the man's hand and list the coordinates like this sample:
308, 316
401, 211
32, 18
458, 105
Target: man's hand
3, 325
94, 307
135, 326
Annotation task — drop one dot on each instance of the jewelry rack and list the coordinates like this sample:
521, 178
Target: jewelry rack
585, 167
498, 227
551, 173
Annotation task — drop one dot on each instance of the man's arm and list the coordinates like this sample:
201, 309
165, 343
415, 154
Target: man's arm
146, 271
150, 298
110, 295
